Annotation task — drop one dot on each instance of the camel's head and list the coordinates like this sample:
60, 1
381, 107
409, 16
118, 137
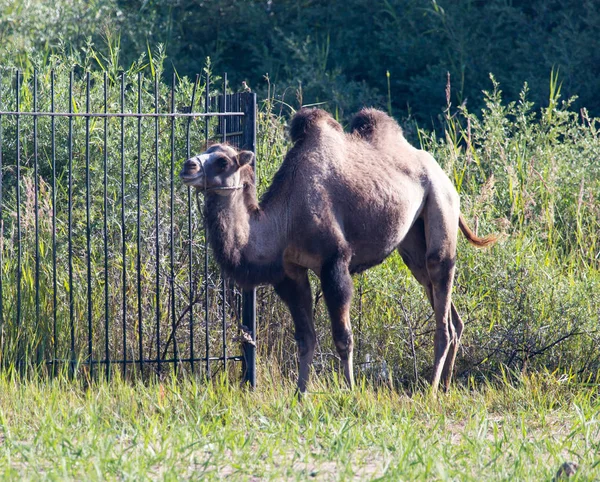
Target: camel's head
220, 169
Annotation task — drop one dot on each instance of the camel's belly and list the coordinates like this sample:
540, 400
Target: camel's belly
379, 233
360, 264
372, 229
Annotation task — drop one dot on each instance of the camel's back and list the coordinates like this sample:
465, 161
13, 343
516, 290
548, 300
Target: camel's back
378, 165
363, 189
374, 149
346, 188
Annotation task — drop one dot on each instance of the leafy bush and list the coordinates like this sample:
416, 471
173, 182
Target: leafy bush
336, 52
31, 30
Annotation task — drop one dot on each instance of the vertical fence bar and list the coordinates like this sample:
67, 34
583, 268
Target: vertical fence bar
2, 230
106, 304
70, 230
36, 219
206, 297
88, 228
123, 230
249, 296
139, 225
157, 221
223, 281
18, 187
172, 233
54, 272
190, 245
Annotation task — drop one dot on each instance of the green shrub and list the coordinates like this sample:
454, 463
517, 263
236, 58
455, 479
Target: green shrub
529, 303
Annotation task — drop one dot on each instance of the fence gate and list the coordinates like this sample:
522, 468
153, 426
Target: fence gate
104, 257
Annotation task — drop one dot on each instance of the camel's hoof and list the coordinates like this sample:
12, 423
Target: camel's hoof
300, 394
566, 470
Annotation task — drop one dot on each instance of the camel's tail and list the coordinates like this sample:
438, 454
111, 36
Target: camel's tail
473, 238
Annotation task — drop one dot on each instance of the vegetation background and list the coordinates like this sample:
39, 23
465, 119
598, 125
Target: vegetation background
337, 51
521, 146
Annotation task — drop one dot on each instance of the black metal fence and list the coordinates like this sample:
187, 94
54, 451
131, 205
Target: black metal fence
104, 258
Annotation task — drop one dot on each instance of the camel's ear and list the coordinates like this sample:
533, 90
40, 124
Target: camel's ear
245, 157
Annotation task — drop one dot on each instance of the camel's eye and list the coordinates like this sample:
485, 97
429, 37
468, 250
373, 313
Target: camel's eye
222, 163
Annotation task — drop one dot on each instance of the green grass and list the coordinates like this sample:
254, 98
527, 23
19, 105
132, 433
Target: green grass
176, 430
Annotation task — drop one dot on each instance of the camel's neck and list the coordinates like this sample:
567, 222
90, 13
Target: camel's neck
245, 239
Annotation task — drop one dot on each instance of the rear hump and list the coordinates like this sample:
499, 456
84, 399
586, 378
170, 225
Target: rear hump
370, 123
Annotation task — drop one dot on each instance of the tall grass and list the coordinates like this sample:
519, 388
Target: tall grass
529, 303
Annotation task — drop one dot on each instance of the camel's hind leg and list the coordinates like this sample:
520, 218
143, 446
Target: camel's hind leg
296, 294
440, 216
413, 251
457, 325
337, 291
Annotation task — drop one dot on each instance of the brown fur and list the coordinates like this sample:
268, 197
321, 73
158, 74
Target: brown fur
308, 121
472, 237
339, 204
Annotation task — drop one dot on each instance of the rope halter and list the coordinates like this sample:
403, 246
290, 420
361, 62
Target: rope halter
218, 188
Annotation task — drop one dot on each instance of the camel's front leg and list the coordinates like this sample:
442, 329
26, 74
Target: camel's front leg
296, 294
337, 291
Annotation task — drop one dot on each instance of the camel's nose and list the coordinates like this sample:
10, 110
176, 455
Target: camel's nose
192, 172
191, 166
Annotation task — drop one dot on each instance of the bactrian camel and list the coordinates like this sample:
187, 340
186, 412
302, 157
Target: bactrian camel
339, 204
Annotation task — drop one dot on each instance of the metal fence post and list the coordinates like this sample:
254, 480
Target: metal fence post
248, 101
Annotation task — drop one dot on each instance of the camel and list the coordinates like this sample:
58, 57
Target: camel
339, 204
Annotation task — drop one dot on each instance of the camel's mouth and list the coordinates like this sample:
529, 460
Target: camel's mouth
189, 176
194, 179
